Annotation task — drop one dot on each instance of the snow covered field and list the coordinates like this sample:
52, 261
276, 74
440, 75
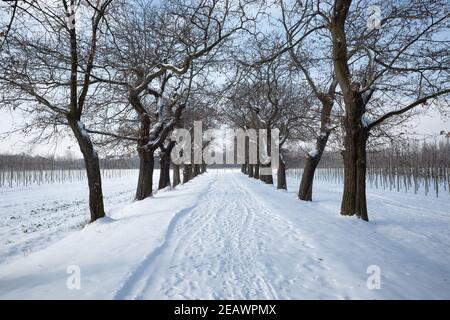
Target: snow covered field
32, 217
222, 236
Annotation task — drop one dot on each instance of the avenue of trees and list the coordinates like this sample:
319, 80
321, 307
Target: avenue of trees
119, 77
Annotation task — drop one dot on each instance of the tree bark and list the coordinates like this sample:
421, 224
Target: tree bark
269, 178
146, 149
355, 144
312, 161
262, 177
281, 174
164, 176
145, 181
354, 197
246, 165
146, 156
92, 164
196, 170
187, 172
256, 166
251, 170
256, 172
309, 171
164, 160
306, 185
176, 175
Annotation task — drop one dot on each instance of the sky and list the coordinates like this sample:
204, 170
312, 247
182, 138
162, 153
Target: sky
17, 143
429, 124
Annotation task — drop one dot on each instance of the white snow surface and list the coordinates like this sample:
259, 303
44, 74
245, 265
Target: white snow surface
365, 120
35, 216
314, 152
226, 236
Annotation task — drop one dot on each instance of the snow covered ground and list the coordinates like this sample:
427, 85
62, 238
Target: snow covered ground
33, 217
225, 236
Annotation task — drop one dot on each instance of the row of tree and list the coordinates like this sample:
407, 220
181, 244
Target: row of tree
115, 74
122, 76
24, 170
362, 79
411, 166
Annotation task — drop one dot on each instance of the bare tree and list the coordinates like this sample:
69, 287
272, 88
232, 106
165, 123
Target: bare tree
46, 71
385, 73
307, 45
267, 97
160, 42
304, 38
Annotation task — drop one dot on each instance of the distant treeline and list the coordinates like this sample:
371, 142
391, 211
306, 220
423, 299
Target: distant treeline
24, 170
26, 162
410, 166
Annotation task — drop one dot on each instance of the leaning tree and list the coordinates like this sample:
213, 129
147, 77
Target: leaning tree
307, 43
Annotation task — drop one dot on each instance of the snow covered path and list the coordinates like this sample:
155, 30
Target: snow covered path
226, 236
219, 250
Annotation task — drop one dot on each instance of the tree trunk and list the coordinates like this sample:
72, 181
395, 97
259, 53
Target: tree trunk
176, 175
312, 161
361, 201
281, 175
354, 197
256, 172
256, 166
196, 170
268, 179
145, 180
165, 160
91, 161
96, 206
203, 168
187, 171
356, 134
262, 177
164, 177
146, 160
306, 185
246, 166
251, 170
